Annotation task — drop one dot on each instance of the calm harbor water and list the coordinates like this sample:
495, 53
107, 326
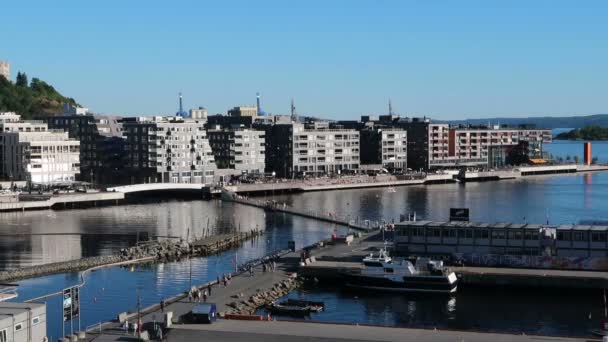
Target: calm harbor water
24, 241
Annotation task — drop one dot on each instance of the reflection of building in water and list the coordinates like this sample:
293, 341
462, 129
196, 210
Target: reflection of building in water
54, 248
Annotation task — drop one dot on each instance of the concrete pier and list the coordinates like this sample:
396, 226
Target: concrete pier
65, 201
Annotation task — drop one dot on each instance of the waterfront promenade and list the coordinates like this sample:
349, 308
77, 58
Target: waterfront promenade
244, 286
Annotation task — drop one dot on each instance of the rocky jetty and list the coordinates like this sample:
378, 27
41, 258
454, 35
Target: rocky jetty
250, 305
149, 251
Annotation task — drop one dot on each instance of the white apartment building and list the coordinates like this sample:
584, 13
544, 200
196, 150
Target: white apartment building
168, 150
30, 151
319, 150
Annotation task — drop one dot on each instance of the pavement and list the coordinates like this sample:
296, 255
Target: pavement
249, 331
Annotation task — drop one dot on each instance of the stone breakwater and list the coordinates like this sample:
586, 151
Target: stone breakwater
151, 251
262, 298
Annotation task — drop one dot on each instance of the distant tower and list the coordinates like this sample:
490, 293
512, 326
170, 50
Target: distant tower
260, 111
390, 107
181, 108
294, 115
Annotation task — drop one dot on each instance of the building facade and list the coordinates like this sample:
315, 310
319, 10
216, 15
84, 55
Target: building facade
30, 151
199, 113
168, 150
102, 146
243, 111
384, 146
437, 146
5, 70
238, 149
22, 322
295, 150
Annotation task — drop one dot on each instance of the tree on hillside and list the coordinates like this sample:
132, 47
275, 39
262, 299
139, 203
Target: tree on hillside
21, 80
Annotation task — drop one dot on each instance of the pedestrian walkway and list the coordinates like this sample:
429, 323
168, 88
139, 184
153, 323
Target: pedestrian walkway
243, 285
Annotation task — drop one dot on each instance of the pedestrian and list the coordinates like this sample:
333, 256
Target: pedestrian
162, 305
225, 282
190, 296
205, 296
209, 289
218, 279
134, 328
126, 326
160, 334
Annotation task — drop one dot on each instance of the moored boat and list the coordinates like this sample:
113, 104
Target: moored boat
381, 272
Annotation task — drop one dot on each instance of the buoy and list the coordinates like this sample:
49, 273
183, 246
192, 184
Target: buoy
94, 299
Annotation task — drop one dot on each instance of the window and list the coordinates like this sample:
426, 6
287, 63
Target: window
35, 320
18, 326
564, 236
579, 236
598, 237
3, 337
388, 270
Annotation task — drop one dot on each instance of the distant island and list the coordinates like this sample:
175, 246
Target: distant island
586, 133
30, 99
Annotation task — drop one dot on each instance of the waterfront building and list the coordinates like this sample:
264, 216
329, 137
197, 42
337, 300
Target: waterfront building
384, 146
168, 150
102, 146
199, 113
30, 151
239, 149
295, 150
250, 111
5, 70
440, 146
500, 239
22, 322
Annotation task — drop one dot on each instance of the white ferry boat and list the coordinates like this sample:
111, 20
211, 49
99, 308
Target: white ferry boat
381, 272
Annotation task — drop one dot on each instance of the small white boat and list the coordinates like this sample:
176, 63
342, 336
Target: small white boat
381, 272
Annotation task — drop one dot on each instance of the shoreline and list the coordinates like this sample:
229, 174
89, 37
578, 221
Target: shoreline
115, 198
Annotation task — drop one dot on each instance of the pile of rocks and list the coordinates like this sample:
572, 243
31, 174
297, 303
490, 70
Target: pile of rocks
278, 290
159, 251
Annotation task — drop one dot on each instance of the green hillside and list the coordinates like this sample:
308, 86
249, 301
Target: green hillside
36, 98
585, 133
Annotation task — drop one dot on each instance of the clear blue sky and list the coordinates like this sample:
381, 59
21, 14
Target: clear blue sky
338, 59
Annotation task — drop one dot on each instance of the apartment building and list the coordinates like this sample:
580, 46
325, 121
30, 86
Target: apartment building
168, 150
384, 146
239, 149
437, 145
30, 151
102, 146
251, 111
295, 150
199, 113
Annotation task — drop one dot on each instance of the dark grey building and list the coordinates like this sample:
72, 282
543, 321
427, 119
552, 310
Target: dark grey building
102, 153
384, 146
238, 149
